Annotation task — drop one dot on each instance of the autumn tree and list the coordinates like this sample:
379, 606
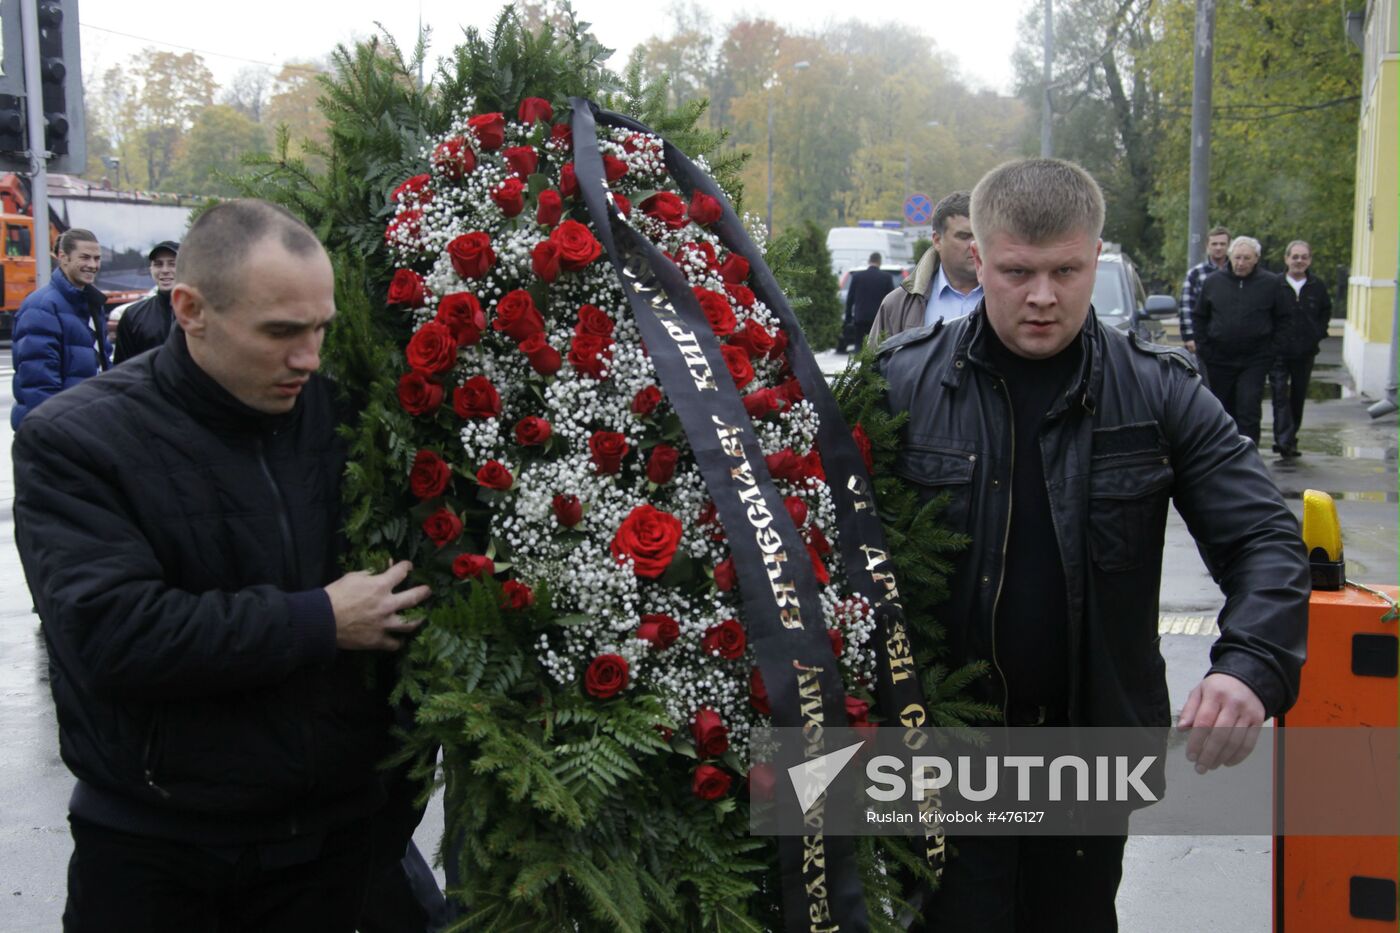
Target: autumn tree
214, 150
172, 89
294, 106
248, 92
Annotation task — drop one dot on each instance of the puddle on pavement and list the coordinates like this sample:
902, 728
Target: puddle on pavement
1328, 442
1368, 496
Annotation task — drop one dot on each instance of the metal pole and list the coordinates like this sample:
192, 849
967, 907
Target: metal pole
1197, 219
770, 163
1047, 139
38, 155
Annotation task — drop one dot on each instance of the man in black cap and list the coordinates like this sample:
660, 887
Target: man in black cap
145, 324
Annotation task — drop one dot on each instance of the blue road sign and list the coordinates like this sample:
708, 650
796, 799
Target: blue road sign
918, 209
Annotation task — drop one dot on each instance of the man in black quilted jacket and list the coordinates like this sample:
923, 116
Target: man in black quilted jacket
219, 683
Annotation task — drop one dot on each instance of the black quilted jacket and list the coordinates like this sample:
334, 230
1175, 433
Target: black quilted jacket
176, 544
1136, 431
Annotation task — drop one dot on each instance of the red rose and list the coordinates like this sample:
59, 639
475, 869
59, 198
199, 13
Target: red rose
650, 537
415, 187
461, 313
419, 395
786, 465
593, 321
711, 736
863, 445
543, 358
660, 630
645, 401
561, 133
535, 108
531, 431
494, 475
454, 157
510, 196
857, 710
762, 781
613, 167
490, 130
588, 355
760, 403
734, 269
704, 210
606, 676
741, 295
666, 208
705, 251
790, 389
577, 245
607, 448
550, 209
661, 465
753, 338
544, 260
797, 510
838, 641
737, 359
568, 510
568, 180
523, 160
476, 398
516, 595
812, 464
442, 527
431, 349
406, 288
624, 206
758, 693
408, 225
818, 566
516, 315
471, 255
429, 476
727, 639
717, 311
472, 565
725, 575
780, 342
710, 783
818, 540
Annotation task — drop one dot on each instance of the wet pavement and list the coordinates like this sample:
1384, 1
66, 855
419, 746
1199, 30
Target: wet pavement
1215, 883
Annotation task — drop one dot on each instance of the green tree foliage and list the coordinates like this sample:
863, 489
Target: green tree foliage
1286, 82
804, 271
214, 150
1283, 148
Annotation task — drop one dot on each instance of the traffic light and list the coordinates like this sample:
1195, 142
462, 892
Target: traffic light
11, 123
60, 77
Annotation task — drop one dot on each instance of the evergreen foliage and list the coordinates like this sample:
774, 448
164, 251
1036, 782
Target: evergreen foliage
802, 265
562, 812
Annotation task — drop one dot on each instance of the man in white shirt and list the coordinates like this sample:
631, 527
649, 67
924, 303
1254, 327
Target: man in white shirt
944, 283
1308, 310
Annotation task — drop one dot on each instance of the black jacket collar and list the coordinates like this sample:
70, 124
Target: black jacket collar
188, 386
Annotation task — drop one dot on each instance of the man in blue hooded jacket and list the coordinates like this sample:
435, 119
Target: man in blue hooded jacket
59, 337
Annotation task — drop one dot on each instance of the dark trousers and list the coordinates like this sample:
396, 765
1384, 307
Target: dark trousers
120, 883
1028, 884
1288, 385
1240, 388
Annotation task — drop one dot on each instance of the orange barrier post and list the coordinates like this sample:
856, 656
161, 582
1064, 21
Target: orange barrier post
1332, 884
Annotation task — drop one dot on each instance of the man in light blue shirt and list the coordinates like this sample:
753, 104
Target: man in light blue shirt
955, 291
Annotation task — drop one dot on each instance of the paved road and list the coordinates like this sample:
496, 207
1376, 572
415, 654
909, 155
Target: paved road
1220, 884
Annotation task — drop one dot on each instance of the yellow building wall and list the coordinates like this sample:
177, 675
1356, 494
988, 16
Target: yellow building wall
1376, 225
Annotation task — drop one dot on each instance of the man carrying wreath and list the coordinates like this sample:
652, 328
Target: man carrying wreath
1059, 444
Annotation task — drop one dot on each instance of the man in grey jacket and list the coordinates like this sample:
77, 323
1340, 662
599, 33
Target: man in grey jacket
944, 283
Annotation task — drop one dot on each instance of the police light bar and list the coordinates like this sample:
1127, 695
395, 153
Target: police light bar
881, 224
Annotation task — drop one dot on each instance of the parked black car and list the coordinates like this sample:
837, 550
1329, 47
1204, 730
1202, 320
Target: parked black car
1121, 302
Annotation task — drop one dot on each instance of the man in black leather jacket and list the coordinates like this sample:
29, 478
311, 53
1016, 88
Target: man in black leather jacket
1060, 444
214, 673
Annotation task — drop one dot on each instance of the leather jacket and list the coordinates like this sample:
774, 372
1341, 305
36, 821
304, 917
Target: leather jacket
1136, 429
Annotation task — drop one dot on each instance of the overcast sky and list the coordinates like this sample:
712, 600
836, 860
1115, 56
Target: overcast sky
233, 35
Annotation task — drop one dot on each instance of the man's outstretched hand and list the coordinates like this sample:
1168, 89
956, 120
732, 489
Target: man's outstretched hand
367, 609
1224, 717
